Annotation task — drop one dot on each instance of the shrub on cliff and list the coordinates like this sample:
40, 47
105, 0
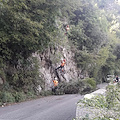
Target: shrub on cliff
78, 86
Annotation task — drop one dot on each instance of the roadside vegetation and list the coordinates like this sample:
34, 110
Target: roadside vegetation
8, 96
79, 86
104, 107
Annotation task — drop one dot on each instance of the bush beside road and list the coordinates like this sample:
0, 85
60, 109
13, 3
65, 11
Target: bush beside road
102, 104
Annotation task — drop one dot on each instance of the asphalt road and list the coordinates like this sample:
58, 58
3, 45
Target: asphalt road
62, 107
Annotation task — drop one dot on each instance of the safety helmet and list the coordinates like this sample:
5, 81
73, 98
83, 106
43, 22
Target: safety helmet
64, 60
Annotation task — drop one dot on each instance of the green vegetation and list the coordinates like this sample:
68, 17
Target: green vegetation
33, 26
90, 35
108, 106
25, 27
79, 86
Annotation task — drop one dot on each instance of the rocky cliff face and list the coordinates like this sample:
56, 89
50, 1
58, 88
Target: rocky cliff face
50, 59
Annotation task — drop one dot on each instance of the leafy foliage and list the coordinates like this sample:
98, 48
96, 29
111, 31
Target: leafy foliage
25, 28
74, 87
104, 104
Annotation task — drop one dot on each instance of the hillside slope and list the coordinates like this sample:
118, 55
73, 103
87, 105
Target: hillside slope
34, 40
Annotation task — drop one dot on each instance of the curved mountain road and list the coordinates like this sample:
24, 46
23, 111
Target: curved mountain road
62, 107
58, 107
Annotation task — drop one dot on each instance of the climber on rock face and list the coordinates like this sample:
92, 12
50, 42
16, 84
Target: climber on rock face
55, 81
67, 28
62, 65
